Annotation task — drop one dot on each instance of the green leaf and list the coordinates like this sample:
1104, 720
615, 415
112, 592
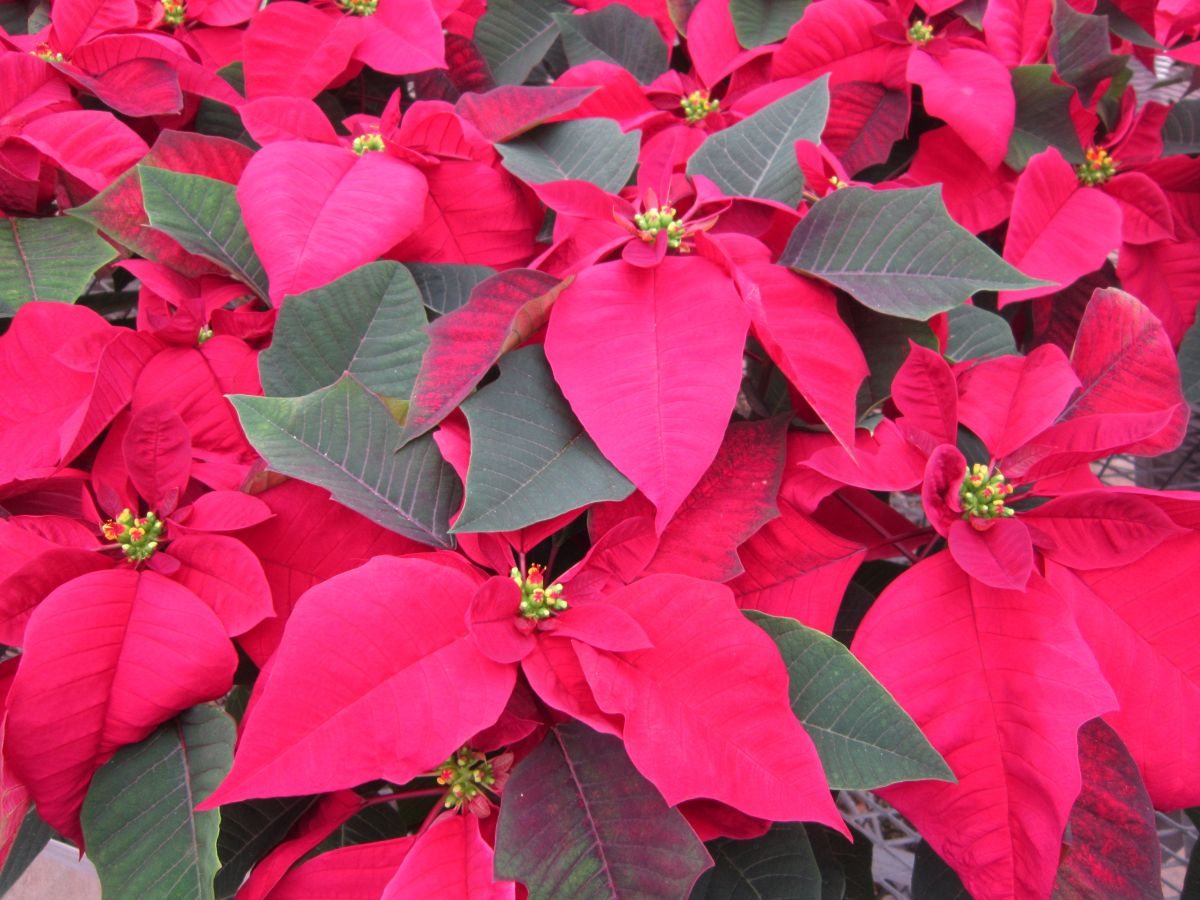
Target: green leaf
31, 839
1043, 117
680, 11
1082, 50
1181, 130
592, 150
530, 458
445, 287
1189, 364
757, 156
933, 879
514, 35
1123, 26
864, 738
779, 865
344, 438
139, 818
759, 22
370, 323
898, 252
618, 35
249, 830
48, 259
579, 821
203, 215
852, 861
978, 334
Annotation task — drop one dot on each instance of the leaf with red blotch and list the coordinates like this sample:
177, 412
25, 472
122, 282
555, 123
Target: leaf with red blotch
92, 145
450, 859
972, 92
977, 198
309, 540
292, 49
302, 200
118, 210
650, 361
842, 37
1165, 276
999, 555
359, 870
1112, 848
474, 214
333, 726
220, 511
74, 21
1130, 402
1145, 212
158, 456
715, 684
222, 572
403, 38
1009, 400
1059, 230
733, 500
1100, 529
1017, 31
502, 313
510, 110
864, 121
1140, 620
108, 657
22, 589
999, 681
330, 812
795, 568
926, 395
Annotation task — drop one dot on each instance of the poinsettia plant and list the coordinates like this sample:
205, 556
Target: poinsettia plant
499, 449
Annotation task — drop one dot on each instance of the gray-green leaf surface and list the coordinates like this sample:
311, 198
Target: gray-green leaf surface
51, 259
592, 150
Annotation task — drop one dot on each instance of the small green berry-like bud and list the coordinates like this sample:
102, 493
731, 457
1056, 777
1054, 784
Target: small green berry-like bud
368, 143
920, 33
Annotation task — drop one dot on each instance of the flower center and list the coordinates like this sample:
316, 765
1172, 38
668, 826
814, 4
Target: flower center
1098, 169
174, 11
697, 105
137, 537
982, 494
660, 218
920, 33
368, 143
466, 774
838, 183
206, 332
43, 51
359, 7
538, 601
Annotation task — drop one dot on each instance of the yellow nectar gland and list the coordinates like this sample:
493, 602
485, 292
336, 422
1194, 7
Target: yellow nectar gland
838, 183
983, 493
538, 601
368, 143
920, 33
1098, 169
660, 218
42, 51
466, 774
174, 11
137, 537
697, 106
359, 7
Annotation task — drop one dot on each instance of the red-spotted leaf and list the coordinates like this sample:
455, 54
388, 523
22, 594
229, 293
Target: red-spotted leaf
733, 500
1099, 529
715, 684
335, 725
108, 656
972, 92
579, 819
650, 361
359, 870
1059, 230
158, 456
1000, 554
451, 860
1007, 401
223, 573
305, 204
1140, 622
502, 313
1113, 848
795, 568
999, 681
